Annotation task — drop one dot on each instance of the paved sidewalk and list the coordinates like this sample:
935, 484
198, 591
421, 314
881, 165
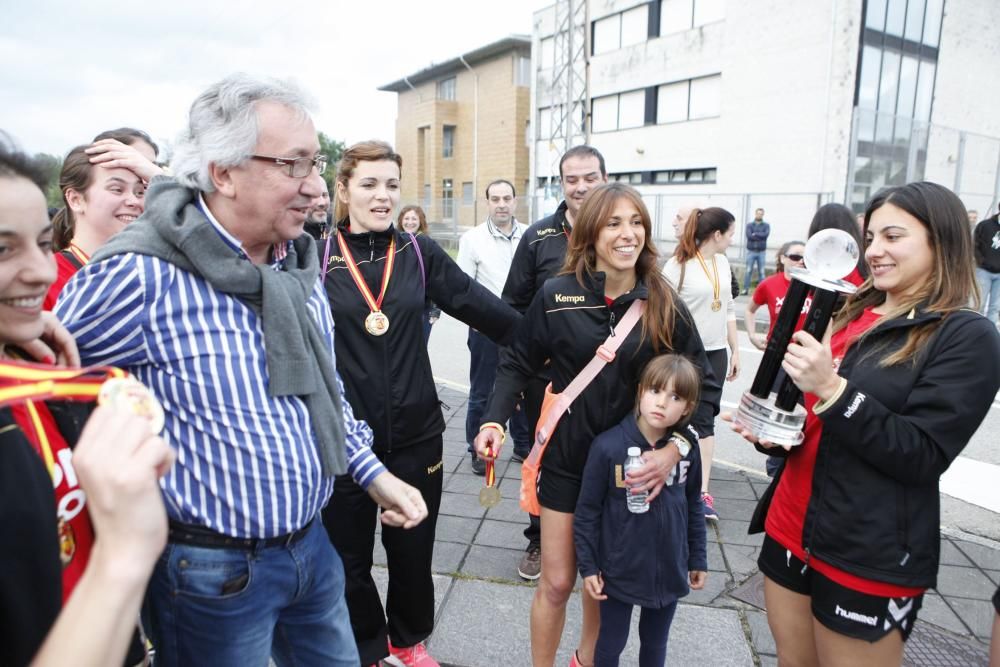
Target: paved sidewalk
483, 605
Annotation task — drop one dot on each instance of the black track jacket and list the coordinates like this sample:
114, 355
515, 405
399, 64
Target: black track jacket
388, 378
887, 439
539, 256
566, 323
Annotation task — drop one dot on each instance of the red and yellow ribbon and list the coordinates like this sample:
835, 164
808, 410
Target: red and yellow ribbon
375, 305
22, 381
79, 254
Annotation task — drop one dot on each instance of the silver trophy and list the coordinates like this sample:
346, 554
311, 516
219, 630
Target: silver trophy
777, 416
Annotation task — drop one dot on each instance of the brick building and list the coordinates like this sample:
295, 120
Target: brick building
462, 124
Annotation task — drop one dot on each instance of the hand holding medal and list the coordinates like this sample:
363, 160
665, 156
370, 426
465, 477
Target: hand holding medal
130, 395
489, 495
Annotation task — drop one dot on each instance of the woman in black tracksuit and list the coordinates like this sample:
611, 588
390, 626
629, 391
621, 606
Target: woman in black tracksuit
610, 263
909, 373
387, 377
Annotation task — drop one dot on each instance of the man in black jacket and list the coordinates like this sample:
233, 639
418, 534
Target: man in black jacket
986, 242
539, 256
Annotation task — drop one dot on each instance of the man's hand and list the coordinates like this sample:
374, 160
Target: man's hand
594, 585
402, 504
487, 444
697, 579
657, 465
56, 346
119, 462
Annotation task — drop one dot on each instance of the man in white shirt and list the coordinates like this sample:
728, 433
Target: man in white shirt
485, 253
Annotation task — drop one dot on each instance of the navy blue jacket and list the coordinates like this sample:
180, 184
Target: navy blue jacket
644, 558
757, 233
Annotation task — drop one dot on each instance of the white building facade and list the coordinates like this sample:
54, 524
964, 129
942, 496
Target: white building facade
779, 104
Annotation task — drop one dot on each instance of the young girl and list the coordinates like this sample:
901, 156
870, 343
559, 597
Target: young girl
647, 559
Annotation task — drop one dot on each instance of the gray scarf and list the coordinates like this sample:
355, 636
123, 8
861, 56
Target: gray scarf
299, 362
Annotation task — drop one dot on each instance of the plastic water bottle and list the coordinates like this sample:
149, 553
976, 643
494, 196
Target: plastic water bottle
636, 502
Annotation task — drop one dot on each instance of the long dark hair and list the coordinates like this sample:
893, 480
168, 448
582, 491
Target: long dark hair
950, 283
838, 216
581, 257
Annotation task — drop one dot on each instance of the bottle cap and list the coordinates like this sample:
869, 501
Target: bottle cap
634, 451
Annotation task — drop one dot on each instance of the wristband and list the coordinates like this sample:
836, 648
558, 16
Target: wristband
498, 427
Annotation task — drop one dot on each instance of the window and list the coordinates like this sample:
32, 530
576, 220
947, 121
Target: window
467, 196
448, 141
705, 94
522, 71
679, 15
427, 196
677, 176
689, 100
634, 178
546, 53
447, 200
618, 112
446, 89
623, 29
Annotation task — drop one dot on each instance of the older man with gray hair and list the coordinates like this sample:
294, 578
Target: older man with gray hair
212, 299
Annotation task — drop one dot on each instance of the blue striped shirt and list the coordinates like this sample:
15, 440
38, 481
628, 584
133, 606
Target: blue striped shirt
247, 463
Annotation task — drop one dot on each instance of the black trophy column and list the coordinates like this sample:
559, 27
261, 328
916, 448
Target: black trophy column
795, 298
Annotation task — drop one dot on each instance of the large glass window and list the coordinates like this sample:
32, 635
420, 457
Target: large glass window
635, 25
467, 195
678, 15
875, 19
547, 53
705, 97
607, 33
622, 29
932, 22
925, 91
618, 112
895, 18
631, 109
672, 102
604, 114
914, 20
522, 71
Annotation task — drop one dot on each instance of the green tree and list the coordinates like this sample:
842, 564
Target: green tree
52, 165
333, 149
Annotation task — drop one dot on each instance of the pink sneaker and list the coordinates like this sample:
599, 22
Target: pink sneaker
575, 661
710, 512
411, 656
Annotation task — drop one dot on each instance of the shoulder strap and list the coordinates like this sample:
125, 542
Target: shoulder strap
72, 258
420, 260
606, 353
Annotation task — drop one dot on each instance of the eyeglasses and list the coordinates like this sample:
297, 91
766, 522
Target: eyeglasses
794, 257
298, 167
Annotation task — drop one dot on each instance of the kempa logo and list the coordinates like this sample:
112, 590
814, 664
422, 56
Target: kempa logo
546, 232
856, 617
562, 298
859, 398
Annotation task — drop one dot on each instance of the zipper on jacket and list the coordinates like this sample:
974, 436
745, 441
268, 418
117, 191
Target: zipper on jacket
371, 247
611, 325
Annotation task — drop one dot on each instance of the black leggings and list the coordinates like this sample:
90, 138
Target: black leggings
654, 629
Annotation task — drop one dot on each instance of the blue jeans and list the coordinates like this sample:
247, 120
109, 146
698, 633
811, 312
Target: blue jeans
484, 357
754, 258
288, 603
989, 287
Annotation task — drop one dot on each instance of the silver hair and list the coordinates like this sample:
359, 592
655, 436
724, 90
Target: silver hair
222, 125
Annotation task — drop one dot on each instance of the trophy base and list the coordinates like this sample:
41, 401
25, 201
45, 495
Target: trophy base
768, 422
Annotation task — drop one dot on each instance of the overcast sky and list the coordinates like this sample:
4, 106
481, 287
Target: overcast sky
72, 69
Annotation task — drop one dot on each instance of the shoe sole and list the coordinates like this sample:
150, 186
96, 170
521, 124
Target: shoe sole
392, 660
528, 577
517, 458
711, 517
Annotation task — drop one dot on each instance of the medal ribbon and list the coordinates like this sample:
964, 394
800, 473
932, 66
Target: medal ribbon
352, 267
22, 382
491, 477
713, 279
80, 255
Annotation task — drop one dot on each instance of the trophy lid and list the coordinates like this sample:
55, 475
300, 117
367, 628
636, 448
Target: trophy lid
831, 254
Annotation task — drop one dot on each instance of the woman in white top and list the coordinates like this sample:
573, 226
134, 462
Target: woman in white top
700, 273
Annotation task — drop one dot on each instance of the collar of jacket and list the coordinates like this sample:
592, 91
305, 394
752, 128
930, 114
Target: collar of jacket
630, 425
594, 282
380, 239
915, 317
559, 217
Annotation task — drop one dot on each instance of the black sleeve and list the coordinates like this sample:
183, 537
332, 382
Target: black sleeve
454, 292
948, 402
697, 534
519, 362
589, 507
687, 341
520, 286
979, 237
734, 285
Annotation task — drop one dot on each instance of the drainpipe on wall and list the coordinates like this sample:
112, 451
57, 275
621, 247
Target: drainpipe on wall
475, 145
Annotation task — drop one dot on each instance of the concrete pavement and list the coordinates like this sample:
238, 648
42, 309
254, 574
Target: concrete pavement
483, 605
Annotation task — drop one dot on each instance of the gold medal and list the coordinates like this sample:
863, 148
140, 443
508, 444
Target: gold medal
716, 305
67, 542
130, 394
376, 323
712, 278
